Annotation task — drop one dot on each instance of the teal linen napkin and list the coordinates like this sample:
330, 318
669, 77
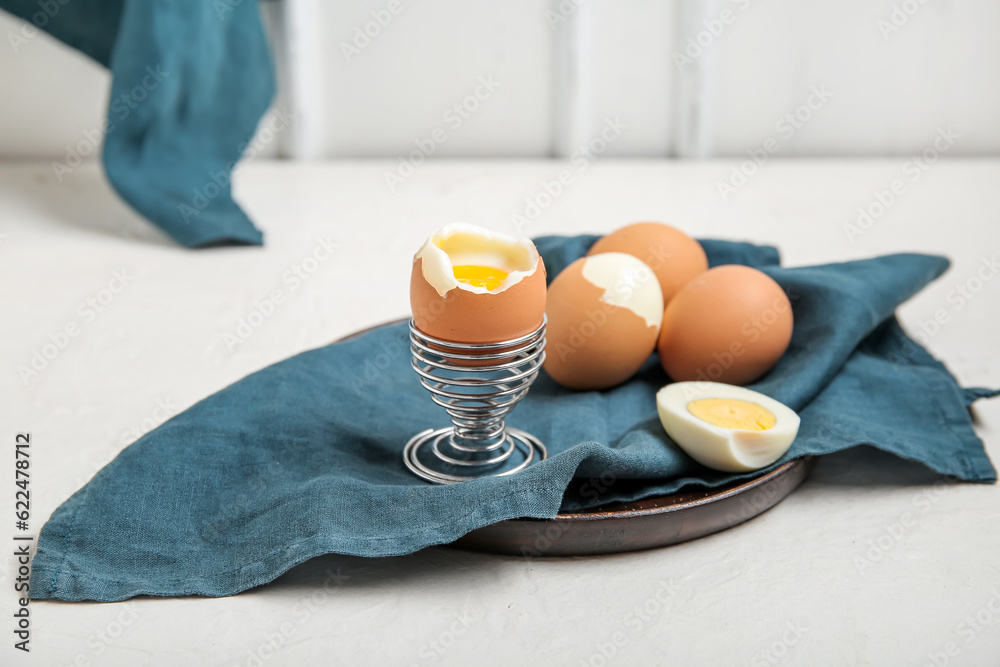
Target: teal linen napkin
191, 80
305, 457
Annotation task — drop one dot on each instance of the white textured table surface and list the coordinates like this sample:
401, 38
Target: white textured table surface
787, 588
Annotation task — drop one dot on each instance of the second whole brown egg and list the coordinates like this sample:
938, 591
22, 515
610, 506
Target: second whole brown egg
730, 324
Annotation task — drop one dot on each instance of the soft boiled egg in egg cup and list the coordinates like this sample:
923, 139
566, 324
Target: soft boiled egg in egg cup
478, 342
471, 285
724, 427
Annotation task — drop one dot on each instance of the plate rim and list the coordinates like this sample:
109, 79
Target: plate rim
597, 514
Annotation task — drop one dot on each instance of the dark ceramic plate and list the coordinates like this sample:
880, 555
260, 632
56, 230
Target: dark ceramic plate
641, 524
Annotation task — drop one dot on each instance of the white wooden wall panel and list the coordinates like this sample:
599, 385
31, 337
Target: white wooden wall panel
613, 66
393, 86
892, 89
298, 59
567, 66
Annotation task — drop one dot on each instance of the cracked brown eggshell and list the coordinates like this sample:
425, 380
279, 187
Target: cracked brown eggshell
604, 316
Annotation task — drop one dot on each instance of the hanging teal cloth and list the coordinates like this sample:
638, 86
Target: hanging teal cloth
191, 80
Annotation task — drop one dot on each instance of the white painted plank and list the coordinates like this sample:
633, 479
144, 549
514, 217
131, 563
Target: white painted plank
394, 71
613, 65
299, 65
892, 89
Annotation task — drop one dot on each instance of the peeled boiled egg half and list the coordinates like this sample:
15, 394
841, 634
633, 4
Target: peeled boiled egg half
471, 285
604, 318
725, 427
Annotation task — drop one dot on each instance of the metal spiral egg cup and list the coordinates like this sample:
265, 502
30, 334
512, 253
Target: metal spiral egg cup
477, 395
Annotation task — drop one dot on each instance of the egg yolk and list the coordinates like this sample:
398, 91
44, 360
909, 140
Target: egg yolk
732, 413
480, 276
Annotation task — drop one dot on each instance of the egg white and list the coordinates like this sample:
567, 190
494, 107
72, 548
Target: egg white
627, 283
472, 245
725, 449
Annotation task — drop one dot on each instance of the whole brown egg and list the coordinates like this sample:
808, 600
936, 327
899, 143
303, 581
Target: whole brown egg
730, 324
604, 316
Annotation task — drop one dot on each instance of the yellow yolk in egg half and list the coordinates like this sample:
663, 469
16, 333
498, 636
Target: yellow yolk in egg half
732, 413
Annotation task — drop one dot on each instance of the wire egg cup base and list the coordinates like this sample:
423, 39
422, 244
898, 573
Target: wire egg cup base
526, 444
478, 385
